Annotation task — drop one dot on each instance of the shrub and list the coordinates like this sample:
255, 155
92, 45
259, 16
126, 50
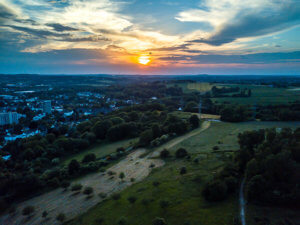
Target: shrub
45, 214
232, 183
155, 183
73, 167
122, 175
65, 184
183, 170
215, 148
132, 179
28, 210
89, 158
164, 154
131, 199
181, 153
116, 196
88, 191
102, 195
76, 187
164, 204
159, 221
61, 217
122, 221
145, 201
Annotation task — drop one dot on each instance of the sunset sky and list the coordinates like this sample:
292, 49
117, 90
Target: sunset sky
150, 36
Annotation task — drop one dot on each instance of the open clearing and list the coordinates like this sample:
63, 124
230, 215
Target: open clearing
133, 167
181, 192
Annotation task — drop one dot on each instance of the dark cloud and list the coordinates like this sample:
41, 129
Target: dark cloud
94, 38
5, 13
172, 48
251, 24
255, 58
60, 28
37, 32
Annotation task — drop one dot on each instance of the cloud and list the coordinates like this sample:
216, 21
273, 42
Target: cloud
37, 32
255, 58
243, 19
60, 28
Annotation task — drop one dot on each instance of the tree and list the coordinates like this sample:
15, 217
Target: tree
122, 221
146, 137
181, 153
76, 187
100, 128
194, 121
132, 199
65, 184
45, 214
28, 210
88, 191
156, 132
159, 221
73, 167
164, 204
89, 158
122, 175
116, 196
61, 217
164, 154
191, 107
183, 170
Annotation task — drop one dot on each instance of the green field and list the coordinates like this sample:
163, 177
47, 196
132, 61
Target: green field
264, 95
182, 192
100, 150
261, 94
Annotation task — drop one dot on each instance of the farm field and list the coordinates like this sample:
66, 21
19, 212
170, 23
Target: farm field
178, 198
261, 94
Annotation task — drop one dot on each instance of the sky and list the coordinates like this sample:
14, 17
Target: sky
150, 37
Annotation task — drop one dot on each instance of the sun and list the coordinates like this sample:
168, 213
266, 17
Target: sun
144, 59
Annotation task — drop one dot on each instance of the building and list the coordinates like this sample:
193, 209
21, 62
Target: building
9, 118
47, 107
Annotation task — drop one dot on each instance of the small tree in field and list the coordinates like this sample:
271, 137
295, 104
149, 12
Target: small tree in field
159, 221
88, 191
65, 184
28, 211
122, 176
61, 217
164, 154
45, 214
131, 199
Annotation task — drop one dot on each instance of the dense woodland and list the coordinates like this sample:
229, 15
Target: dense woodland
269, 161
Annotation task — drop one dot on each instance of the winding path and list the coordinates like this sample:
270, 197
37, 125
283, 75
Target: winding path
242, 203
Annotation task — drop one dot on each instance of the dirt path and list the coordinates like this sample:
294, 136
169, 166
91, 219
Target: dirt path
175, 141
59, 201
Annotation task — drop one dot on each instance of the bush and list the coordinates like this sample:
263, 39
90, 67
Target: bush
194, 121
159, 221
164, 154
88, 191
76, 187
122, 221
65, 184
145, 201
61, 217
116, 196
215, 191
28, 210
155, 183
45, 214
122, 175
102, 195
73, 167
89, 158
183, 170
131, 199
215, 148
181, 153
164, 204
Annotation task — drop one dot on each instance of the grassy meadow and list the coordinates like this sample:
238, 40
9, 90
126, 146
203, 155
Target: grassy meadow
178, 198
